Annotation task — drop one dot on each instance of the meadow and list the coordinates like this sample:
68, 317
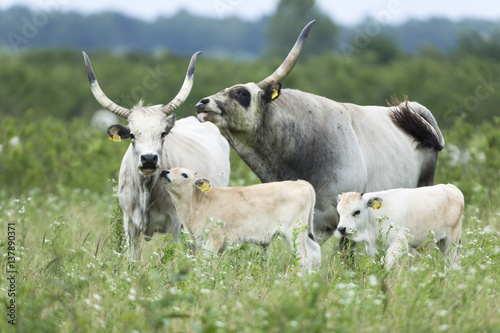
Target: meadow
62, 246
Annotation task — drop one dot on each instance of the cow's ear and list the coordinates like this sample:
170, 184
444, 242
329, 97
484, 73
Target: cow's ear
170, 122
339, 197
272, 91
203, 184
118, 132
374, 202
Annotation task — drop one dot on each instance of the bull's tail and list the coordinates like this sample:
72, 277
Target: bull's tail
416, 120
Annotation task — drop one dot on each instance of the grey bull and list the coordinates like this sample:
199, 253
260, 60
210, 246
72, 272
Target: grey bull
157, 144
286, 134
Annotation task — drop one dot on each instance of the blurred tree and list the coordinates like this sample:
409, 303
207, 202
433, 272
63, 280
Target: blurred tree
384, 47
482, 44
288, 20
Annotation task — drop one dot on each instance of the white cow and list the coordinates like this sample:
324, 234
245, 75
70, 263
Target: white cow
252, 214
157, 144
406, 217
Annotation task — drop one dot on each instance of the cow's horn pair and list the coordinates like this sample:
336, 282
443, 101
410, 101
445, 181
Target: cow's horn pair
291, 59
124, 112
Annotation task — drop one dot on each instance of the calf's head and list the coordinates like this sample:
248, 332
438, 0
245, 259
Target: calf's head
182, 181
353, 209
147, 125
238, 108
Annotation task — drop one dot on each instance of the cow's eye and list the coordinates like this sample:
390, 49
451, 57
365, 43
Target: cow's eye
356, 213
163, 134
184, 175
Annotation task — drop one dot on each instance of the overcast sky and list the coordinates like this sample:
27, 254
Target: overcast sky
346, 12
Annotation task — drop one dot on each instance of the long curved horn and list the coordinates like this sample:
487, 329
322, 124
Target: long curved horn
99, 94
291, 59
183, 94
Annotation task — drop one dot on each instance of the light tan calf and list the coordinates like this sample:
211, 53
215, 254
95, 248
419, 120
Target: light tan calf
251, 214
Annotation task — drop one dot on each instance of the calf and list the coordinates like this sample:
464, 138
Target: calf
406, 217
252, 214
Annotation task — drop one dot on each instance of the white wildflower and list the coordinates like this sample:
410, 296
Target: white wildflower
372, 280
15, 141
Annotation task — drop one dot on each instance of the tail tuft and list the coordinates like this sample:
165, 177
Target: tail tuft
419, 123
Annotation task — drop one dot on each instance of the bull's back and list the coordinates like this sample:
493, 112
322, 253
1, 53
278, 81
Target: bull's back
199, 147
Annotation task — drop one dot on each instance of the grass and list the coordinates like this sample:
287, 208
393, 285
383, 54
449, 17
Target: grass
71, 279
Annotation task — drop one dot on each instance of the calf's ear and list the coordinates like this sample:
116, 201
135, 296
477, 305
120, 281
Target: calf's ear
374, 202
118, 132
272, 91
339, 197
203, 184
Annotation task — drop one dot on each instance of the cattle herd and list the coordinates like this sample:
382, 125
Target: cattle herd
315, 157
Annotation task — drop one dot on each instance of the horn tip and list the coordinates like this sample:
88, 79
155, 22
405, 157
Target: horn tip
88, 65
190, 72
307, 28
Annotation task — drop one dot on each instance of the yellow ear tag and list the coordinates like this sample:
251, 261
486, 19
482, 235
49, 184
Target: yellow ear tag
116, 137
376, 204
275, 94
205, 187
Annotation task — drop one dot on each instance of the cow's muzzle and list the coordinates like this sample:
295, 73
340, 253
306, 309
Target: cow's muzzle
164, 176
149, 164
342, 230
201, 107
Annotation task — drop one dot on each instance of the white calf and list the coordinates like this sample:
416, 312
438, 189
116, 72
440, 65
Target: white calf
410, 215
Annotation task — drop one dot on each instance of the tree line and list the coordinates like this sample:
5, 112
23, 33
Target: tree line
184, 33
54, 82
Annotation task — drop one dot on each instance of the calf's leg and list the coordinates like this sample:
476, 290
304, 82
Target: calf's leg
396, 250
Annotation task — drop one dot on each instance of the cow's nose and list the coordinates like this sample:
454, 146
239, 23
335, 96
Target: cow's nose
149, 159
202, 103
342, 230
164, 173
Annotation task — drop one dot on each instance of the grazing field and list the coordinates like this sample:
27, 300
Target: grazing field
70, 274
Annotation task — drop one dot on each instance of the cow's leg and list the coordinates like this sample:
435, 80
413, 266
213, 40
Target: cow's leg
301, 248
395, 251
455, 239
132, 233
449, 245
315, 251
306, 258
449, 250
215, 241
